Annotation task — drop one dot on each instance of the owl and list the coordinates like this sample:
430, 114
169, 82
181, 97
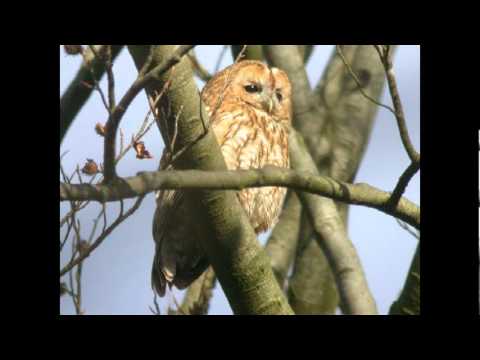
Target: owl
249, 106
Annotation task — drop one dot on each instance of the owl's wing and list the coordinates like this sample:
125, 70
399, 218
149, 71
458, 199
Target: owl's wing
179, 258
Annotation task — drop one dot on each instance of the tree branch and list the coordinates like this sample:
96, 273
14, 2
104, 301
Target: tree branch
313, 285
77, 93
119, 110
333, 239
386, 59
231, 245
305, 51
198, 68
402, 183
84, 254
145, 182
282, 242
198, 295
408, 302
335, 125
252, 52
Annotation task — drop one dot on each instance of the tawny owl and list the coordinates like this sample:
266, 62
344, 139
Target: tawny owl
249, 105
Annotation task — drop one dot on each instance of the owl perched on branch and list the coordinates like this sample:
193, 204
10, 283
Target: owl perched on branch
249, 105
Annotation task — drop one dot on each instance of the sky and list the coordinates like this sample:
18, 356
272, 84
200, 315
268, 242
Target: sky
116, 276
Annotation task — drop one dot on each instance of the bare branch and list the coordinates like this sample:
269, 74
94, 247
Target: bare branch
103, 236
386, 59
283, 240
337, 148
333, 239
404, 226
220, 58
96, 85
77, 93
402, 184
145, 182
357, 81
198, 68
117, 113
250, 52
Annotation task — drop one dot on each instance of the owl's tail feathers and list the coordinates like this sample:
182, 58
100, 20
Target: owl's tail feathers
161, 276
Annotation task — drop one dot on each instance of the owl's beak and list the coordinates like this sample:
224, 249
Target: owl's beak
268, 104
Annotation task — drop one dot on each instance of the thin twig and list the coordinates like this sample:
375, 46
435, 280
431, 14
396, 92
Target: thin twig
95, 224
78, 280
101, 238
355, 78
404, 226
386, 59
77, 93
220, 58
110, 77
79, 206
104, 218
95, 82
199, 69
69, 228
117, 114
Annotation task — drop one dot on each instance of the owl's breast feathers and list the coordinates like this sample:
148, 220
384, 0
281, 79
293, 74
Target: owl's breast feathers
251, 139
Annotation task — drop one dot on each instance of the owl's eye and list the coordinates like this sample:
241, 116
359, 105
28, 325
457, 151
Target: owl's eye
252, 88
279, 96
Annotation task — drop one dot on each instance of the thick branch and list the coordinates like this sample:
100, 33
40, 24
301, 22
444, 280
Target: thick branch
337, 150
282, 242
333, 239
311, 288
356, 194
242, 267
305, 51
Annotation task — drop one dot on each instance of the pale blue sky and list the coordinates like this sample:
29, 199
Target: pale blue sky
116, 277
